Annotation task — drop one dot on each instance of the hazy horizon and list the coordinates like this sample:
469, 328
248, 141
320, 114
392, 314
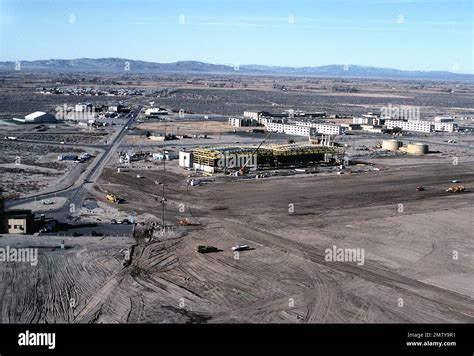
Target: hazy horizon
240, 64
412, 36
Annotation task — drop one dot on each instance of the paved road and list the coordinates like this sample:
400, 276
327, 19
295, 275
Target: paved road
77, 193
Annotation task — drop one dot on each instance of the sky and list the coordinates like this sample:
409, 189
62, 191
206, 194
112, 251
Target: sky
403, 34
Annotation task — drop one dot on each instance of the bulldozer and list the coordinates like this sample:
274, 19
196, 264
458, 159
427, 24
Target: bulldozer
113, 198
455, 189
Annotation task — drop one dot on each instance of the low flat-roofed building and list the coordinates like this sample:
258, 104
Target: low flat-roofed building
322, 128
241, 122
83, 107
19, 222
38, 117
443, 119
289, 129
185, 159
421, 125
253, 114
412, 125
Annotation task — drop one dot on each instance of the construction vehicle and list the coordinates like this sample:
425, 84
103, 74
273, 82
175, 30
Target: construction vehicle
455, 189
184, 222
206, 249
244, 170
113, 198
420, 189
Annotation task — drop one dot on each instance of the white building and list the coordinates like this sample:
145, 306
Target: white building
289, 129
38, 117
360, 120
322, 128
185, 159
81, 107
443, 119
366, 120
252, 114
167, 155
239, 122
421, 125
264, 120
155, 111
445, 126
412, 125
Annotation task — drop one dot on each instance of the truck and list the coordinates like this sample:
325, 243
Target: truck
455, 189
113, 198
206, 249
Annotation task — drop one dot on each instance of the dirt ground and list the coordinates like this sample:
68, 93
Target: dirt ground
286, 278
409, 273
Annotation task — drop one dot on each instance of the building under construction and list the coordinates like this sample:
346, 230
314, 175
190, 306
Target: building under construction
263, 157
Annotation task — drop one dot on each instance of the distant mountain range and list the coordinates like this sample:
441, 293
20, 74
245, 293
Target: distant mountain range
120, 65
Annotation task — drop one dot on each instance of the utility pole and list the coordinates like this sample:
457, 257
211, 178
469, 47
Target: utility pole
163, 200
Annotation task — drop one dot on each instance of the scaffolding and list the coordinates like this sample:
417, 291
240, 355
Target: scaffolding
268, 155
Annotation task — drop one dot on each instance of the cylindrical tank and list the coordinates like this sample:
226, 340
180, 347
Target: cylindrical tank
391, 145
417, 148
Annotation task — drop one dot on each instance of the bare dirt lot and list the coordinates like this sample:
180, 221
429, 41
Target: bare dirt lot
409, 273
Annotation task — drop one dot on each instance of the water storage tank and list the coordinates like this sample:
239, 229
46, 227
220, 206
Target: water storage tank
391, 145
417, 149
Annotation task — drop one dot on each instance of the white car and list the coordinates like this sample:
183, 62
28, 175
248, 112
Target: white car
456, 181
240, 248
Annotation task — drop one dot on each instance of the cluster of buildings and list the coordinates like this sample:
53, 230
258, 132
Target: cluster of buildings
291, 122
91, 91
311, 124
422, 125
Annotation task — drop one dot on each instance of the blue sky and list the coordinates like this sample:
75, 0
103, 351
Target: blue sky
411, 35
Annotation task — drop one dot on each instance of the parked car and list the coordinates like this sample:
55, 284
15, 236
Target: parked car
240, 248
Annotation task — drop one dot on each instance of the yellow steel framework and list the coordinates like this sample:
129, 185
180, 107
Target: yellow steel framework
210, 156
